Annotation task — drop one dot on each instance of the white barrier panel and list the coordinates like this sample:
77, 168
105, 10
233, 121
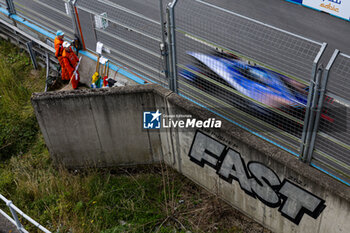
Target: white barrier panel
340, 8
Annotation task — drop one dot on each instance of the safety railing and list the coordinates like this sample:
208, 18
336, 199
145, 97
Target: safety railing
264, 79
15, 211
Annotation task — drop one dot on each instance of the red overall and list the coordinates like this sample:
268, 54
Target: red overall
70, 62
59, 50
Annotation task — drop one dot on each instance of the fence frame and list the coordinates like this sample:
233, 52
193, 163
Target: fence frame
14, 211
32, 54
172, 41
76, 22
319, 109
311, 115
315, 75
312, 95
11, 7
164, 46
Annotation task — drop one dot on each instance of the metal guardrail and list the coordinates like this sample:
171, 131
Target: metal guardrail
15, 220
35, 47
23, 37
164, 49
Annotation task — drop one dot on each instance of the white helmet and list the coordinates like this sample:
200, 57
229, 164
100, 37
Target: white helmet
66, 44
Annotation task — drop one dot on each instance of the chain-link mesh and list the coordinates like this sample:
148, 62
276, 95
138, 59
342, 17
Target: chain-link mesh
87, 28
265, 44
132, 38
4, 16
250, 72
332, 147
46, 13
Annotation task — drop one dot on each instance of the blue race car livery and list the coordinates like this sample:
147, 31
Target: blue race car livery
264, 88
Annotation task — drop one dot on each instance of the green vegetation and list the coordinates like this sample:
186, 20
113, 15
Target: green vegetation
141, 199
17, 82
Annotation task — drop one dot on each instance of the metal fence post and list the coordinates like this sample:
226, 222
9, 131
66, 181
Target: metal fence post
15, 217
164, 46
47, 61
32, 54
76, 22
313, 107
309, 100
320, 105
11, 7
173, 75
170, 75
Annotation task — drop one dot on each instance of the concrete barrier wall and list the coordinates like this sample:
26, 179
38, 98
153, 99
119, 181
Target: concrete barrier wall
97, 128
246, 183
104, 128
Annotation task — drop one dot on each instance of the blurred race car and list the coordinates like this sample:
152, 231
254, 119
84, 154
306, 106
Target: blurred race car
260, 85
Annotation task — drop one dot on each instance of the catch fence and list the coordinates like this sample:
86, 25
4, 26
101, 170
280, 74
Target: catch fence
267, 80
213, 44
131, 38
51, 15
331, 139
